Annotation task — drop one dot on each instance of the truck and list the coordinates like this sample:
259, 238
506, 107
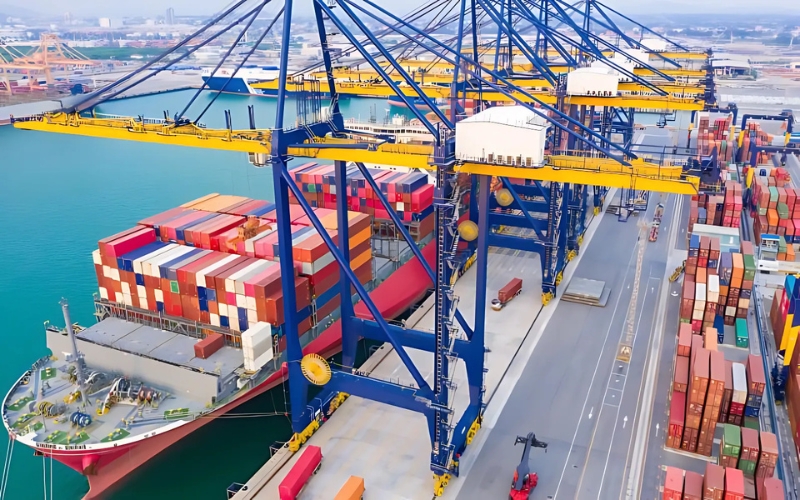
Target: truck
306, 466
505, 294
656, 222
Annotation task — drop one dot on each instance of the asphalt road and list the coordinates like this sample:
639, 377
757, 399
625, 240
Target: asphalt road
573, 393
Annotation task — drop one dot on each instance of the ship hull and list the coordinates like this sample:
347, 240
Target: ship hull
106, 468
418, 103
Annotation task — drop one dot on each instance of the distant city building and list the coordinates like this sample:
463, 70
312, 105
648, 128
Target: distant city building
170, 19
67, 17
105, 22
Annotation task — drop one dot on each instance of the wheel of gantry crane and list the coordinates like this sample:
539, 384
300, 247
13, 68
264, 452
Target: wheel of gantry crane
504, 197
468, 230
316, 369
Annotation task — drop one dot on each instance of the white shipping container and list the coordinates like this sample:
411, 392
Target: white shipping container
223, 309
200, 277
107, 272
502, 133
697, 315
114, 274
739, 384
252, 316
238, 285
317, 265
251, 303
240, 301
214, 319
256, 334
118, 298
127, 299
103, 293
126, 288
159, 295
230, 281
700, 293
154, 264
730, 311
592, 81
713, 288
141, 291
96, 257
144, 262
137, 263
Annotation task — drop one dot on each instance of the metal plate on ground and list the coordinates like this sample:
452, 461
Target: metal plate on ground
589, 292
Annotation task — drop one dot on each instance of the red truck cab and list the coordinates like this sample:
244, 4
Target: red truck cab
305, 467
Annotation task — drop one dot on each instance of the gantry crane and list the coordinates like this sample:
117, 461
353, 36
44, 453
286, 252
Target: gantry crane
561, 181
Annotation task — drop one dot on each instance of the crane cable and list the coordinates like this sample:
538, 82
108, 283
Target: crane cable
7, 466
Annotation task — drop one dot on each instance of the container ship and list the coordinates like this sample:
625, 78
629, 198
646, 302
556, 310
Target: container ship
190, 318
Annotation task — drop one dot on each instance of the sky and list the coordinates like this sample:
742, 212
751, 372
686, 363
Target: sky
115, 8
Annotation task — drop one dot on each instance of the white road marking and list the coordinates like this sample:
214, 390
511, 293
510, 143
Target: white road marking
624, 421
512, 376
648, 399
594, 375
590, 413
616, 416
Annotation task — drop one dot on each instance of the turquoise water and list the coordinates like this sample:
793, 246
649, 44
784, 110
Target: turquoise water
58, 195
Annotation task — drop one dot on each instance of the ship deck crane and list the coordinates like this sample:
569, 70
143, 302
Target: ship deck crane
601, 163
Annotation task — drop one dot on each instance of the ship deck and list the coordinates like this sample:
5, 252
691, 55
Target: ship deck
113, 348
363, 433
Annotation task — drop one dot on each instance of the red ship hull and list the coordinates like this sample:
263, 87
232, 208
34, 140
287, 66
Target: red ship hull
104, 468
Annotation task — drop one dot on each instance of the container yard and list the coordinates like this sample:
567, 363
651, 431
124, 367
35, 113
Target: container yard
668, 370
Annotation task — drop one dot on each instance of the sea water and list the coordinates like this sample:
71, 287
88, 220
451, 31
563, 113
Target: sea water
59, 194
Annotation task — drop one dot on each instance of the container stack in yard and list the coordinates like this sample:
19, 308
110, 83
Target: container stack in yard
717, 210
408, 193
716, 135
717, 286
215, 261
776, 210
752, 135
719, 483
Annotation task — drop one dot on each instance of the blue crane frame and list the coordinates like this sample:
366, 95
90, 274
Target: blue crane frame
554, 236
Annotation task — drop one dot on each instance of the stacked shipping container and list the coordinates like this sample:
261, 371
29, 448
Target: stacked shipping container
717, 286
718, 483
707, 390
752, 135
208, 263
776, 210
717, 210
408, 193
715, 135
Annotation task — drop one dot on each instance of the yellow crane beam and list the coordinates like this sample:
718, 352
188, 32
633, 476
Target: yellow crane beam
652, 56
566, 168
417, 65
447, 79
442, 92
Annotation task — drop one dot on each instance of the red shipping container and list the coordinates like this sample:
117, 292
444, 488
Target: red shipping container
209, 345
684, 339
681, 377
128, 243
713, 482
677, 408
734, 484
673, 484
755, 376
772, 489
300, 473
510, 290
692, 486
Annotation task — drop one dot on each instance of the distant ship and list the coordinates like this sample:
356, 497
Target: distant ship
240, 82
